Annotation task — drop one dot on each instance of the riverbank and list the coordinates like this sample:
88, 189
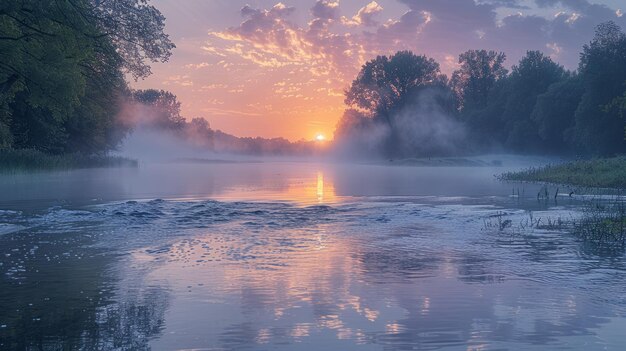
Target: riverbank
598, 173
33, 160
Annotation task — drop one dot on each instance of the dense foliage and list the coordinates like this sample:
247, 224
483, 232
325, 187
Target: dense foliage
539, 107
62, 69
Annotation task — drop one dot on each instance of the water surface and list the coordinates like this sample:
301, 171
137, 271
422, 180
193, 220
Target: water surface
297, 256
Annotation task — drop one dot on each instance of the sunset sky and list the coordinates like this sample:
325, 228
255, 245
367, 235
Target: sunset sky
270, 69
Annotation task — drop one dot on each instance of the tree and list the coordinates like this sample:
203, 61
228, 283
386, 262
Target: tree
530, 78
480, 70
199, 132
358, 135
485, 127
40, 64
384, 84
554, 113
618, 106
164, 109
60, 58
136, 30
600, 130
410, 105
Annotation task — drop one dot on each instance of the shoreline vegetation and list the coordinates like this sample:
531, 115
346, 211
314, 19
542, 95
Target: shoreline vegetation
603, 220
594, 173
26, 160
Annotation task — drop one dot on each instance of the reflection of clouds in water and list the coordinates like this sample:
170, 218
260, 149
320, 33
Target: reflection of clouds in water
396, 275
401, 282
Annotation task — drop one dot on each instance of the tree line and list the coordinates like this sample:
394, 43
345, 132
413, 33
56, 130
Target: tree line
64, 66
537, 107
160, 110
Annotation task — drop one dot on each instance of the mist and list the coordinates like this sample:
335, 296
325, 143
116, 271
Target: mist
158, 133
422, 127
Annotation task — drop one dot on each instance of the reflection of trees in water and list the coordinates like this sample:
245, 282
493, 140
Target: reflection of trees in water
394, 256
128, 324
60, 295
475, 268
396, 264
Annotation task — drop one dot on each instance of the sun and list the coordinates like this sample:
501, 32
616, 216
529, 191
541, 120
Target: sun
320, 137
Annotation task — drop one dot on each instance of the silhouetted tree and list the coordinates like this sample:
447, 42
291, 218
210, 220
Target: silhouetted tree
538, 107
473, 81
164, 108
530, 78
388, 90
200, 133
599, 130
554, 114
618, 105
384, 84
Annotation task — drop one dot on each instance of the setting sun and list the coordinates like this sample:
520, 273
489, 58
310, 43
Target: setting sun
320, 137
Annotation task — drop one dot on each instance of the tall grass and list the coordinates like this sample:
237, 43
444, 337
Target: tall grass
604, 222
600, 173
31, 160
601, 221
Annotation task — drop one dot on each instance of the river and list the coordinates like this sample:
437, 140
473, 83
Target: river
277, 255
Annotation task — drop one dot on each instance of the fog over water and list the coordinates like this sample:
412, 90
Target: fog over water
231, 254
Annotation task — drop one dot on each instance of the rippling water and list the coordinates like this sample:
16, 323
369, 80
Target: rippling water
297, 256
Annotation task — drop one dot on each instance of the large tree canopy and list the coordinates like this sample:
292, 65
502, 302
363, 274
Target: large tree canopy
531, 77
386, 82
163, 109
62, 66
603, 72
554, 113
135, 28
479, 72
408, 101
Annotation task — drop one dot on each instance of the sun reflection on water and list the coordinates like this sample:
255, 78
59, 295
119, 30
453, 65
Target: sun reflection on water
320, 187
315, 188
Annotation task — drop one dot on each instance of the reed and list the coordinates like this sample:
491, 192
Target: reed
601, 220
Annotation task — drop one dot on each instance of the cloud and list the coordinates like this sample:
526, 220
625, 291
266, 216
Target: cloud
314, 52
180, 80
572, 4
458, 25
365, 16
512, 4
332, 46
269, 39
326, 10
197, 65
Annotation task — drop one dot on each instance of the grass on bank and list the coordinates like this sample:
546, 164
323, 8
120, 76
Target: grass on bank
599, 173
32, 160
604, 223
603, 220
